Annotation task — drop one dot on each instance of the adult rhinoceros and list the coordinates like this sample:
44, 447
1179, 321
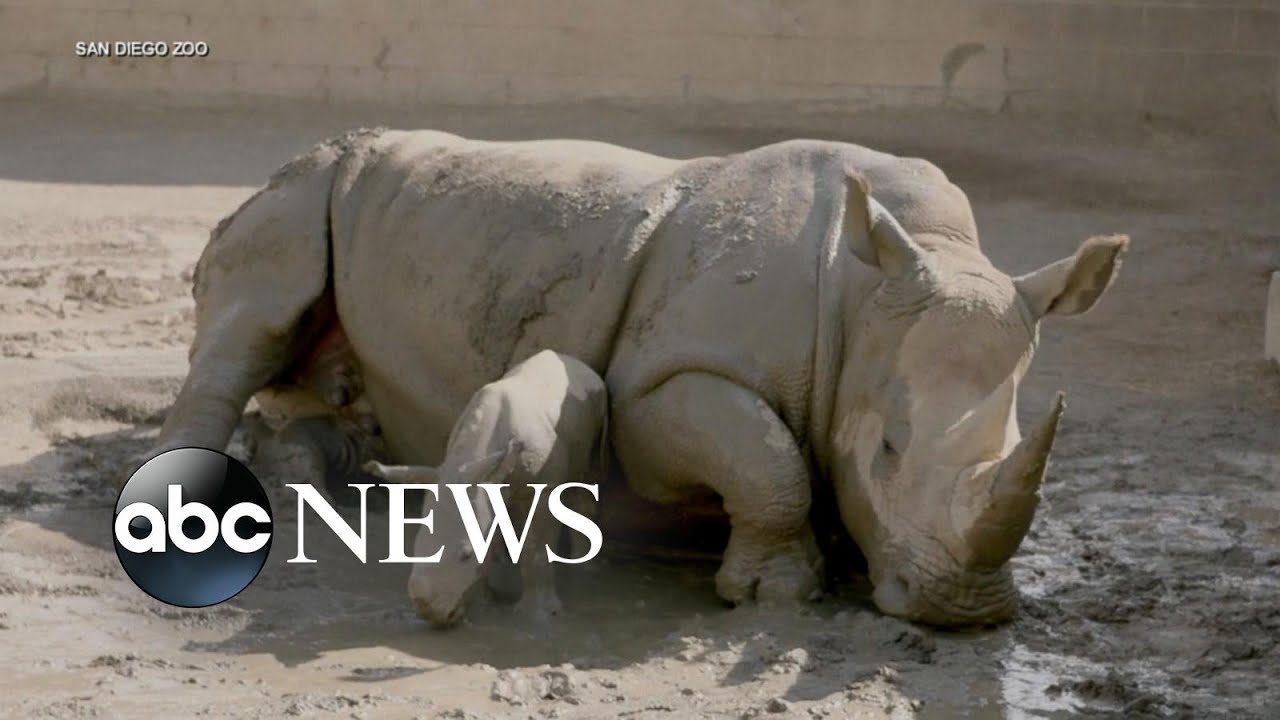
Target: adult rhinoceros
759, 319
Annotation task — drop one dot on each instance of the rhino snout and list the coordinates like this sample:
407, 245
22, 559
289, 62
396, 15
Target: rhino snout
955, 599
446, 617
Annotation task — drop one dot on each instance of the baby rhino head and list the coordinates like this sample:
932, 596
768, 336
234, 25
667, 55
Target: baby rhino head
443, 589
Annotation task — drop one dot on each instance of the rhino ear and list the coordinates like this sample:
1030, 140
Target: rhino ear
1072, 285
874, 235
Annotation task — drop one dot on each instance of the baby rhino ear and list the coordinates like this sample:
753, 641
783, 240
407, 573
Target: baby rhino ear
1072, 285
874, 236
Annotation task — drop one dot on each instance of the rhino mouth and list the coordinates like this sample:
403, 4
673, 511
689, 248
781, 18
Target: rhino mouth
952, 601
928, 587
438, 617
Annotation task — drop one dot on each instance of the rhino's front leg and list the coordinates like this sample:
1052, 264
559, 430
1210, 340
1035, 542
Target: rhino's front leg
539, 601
701, 429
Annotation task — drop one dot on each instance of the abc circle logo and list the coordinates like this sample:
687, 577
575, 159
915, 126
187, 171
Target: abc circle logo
192, 527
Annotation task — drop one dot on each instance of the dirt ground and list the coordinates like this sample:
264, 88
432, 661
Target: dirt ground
1151, 577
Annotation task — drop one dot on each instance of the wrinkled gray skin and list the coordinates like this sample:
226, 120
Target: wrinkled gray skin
539, 424
758, 319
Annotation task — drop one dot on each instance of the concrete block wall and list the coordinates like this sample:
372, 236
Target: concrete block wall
1205, 60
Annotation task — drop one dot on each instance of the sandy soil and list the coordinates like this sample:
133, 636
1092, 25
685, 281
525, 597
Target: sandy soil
1151, 576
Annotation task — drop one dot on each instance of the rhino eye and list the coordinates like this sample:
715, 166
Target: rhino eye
466, 554
887, 447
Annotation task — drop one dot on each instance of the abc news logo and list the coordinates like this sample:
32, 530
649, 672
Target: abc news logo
193, 526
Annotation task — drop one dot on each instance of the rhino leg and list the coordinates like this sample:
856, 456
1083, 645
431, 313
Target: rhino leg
227, 368
577, 544
539, 600
504, 579
697, 430
258, 282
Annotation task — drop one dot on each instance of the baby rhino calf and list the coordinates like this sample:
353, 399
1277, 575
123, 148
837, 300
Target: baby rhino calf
539, 424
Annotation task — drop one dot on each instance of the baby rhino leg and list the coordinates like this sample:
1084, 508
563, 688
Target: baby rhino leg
581, 502
504, 578
539, 600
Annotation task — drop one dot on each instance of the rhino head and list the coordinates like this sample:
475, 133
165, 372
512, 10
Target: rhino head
444, 588
933, 478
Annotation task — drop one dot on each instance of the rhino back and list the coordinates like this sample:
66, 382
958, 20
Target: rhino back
455, 259
553, 404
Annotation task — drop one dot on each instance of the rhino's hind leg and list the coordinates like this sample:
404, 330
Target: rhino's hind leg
227, 368
264, 271
700, 429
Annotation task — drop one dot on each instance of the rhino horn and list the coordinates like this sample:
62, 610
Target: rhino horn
1008, 492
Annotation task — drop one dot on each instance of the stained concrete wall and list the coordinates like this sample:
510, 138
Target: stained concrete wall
1197, 59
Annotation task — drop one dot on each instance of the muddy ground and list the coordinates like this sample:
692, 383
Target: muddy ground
1151, 577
